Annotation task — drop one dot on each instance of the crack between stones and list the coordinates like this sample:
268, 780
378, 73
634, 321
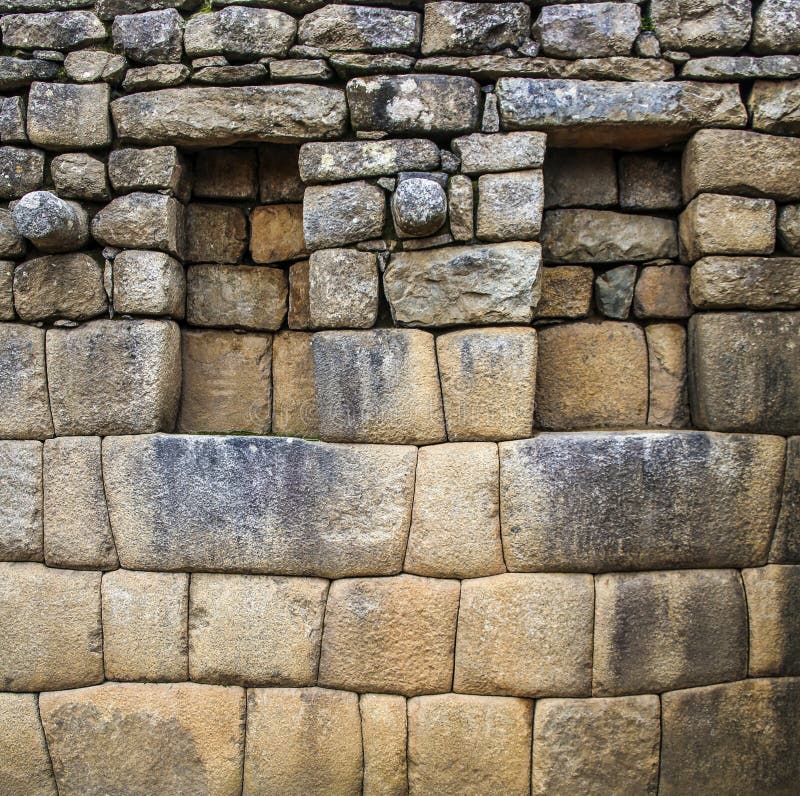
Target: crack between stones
105, 503
47, 746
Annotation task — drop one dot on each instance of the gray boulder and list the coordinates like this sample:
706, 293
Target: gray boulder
21, 171
51, 224
419, 207
66, 116
59, 30
151, 38
776, 27
21, 72
347, 28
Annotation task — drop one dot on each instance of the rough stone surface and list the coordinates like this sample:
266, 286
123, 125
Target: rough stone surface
148, 283
789, 228
455, 524
51, 628
294, 404
161, 169
614, 291
488, 283
21, 72
384, 732
12, 120
732, 739
21, 501
650, 182
566, 292
776, 27
279, 175
146, 738
114, 377
77, 532
24, 762
461, 203
303, 741
80, 176
525, 635
21, 171
12, 244
669, 399
510, 205
340, 214
65, 116
603, 501
756, 283
348, 28
299, 510
144, 625
419, 207
89, 66
342, 289
49, 223
702, 26
215, 233
154, 37
6, 290
580, 178
744, 371
773, 106
482, 153
596, 745
742, 67
59, 30
662, 291
393, 635
469, 744
276, 233
786, 544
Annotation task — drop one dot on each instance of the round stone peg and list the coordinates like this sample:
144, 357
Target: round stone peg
51, 224
419, 207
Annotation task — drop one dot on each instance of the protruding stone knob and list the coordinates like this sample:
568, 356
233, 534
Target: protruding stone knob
419, 207
49, 223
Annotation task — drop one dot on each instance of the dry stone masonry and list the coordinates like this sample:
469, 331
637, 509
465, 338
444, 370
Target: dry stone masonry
399, 397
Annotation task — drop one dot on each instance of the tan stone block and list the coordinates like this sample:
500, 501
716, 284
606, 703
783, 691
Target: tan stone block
148, 283
590, 375
6, 289
649, 182
461, 206
21, 500
525, 635
662, 291
226, 174
279, 174
393, 635
298, 317
566, 292
342, 289
276, 233
469, 745
488, 379
384, 728
77, 532
455, 522
255, 629
24, 762
294, 405
596, 746
215, 233
510, 205
717, 224
655, 631
51, 628
669, 399
227, 385
773, 606
24, 403
144, 738
735, 739
144, 625
241, 296
302, 742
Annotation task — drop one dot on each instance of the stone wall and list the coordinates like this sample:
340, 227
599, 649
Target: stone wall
399, 398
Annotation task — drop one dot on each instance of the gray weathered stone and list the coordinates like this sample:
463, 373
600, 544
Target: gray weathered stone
490, 283
291, 514
220, 116
775, 106
742, 67
299, 70
21, 171
604, 236
786, 544
482, 153
146, 78
108, 9
50, 223
114, 377
161, 169
461, 203
148, 283
649, 182
7, 290
21, 72
580, 178
12, 244
226, 174
343, 288
587, 30
59, 30
80, 176
702, 26
89, 66
21, 500
603, 501
154, 37
616, 114
776, 27
510, 205
419, 207
59, 286
65, 116
12, 121
358, 28
414, 104
613, 290
335, 215
789, 228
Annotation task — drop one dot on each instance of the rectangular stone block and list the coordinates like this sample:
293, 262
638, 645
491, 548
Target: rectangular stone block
146, 738
226, 174
773, 106
24, 760
579, 178
145, 633
525, 635
302, 741
276, 233
668, 406
566, 292
52, 637
394, 635
744, 371
294, 404
21, 500
510, 205
481, 153
278, 174
384, 732
215, 233
348, 212
148, 283
650, 182
114, 377
161, 168
267, 504
255, 629
343, 289
600, 501
77, 532
68, 116
657, 631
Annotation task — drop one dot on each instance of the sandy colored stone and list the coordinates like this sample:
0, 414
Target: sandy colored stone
393, 635
268, 505
215, 233
755, 283
51, 628
580, 178
276, 233
144, 738
343, 289
461, 207
669, 400
786, 542
227, 385
302, 742
114, 377
488, 381
596, 746
650, 635
348, 212
7, 289
384, 729
702, 26
773, 606
469, 745
744, 371
525, 635
238, 296
605, 501
144, 625
24, 761
566, 292
226, 174
148, 283
481, 154
77, 532
21, 500
510, 205
161, 168
773, 106
378, 386
717, 224
662, 291
735, 739
294, 404
649, 182
24, 403
591, 374
299, 311
255, 629
455, 523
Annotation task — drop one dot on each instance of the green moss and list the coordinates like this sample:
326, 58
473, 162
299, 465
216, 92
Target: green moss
647, 24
